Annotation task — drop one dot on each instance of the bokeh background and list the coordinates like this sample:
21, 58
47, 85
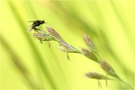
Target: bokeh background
27, 64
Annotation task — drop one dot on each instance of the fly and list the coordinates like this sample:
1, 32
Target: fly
36, 23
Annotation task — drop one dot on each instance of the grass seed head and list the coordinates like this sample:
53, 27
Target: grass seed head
64, 46
107, 68
89, 54
89, 42
54, 34
95, 75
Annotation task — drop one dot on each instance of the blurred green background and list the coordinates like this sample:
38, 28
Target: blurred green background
27, 64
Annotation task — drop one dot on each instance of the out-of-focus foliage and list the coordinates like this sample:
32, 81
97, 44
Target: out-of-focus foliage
26, 63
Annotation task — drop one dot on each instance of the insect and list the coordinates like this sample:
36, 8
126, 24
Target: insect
36, 23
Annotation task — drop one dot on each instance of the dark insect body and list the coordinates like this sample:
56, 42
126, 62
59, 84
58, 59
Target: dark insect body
36, 23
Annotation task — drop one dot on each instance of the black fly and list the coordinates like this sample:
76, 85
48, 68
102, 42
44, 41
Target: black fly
36, 23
